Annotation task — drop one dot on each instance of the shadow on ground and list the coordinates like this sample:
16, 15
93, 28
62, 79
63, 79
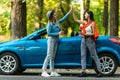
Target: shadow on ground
66, 74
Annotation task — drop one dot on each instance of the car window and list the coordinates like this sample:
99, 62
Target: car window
39, 35
42, 34
70, 34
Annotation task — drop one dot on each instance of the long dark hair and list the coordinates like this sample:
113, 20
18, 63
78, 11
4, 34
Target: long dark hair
91, 15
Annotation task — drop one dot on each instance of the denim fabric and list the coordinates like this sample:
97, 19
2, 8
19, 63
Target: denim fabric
51, 52
53, 33
53, 29
89, 43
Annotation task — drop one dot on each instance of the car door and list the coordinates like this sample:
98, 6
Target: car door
68, 53
35, 50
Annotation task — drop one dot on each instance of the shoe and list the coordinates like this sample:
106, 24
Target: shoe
83, 74
99, 75
54, 74
45, 74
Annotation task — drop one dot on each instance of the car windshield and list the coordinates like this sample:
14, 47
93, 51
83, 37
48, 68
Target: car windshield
39, 35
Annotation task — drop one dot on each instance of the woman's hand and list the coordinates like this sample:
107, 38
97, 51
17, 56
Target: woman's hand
82, 33
61, 32
71, 9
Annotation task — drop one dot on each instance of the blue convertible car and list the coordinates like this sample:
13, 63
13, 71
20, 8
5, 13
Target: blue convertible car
30, 51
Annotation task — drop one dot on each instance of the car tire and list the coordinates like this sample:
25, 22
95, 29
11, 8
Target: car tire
9, 63
108, 64
21, 70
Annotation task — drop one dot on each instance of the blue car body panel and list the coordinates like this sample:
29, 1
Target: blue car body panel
32, 52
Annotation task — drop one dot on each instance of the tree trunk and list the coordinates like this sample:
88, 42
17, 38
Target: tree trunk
87, 5
105, 16
23, 27
82, 6
18, 19
114, 10
39, 13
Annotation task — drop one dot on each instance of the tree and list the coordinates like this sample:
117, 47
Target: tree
40, 4
114, 9
23, 27
87, 5
18, 19
39, 15
105, 16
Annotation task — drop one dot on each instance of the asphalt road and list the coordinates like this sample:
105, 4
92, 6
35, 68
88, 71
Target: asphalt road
34, 74
37, 77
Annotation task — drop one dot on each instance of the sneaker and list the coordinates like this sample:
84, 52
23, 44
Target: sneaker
83, 74
45, 74
54, 74
99, 75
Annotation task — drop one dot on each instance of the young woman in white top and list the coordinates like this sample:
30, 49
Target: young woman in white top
88, 42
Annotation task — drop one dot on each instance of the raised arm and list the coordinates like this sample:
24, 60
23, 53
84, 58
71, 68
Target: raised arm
64, 18
76, 19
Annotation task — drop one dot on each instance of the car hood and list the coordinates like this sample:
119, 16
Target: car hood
9, 42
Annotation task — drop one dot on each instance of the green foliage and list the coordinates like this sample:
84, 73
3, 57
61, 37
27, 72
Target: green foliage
4, 16
30, 16
96, 6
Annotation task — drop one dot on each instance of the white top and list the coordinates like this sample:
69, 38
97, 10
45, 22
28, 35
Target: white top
89, 29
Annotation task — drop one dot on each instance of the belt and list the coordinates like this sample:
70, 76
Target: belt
88, 36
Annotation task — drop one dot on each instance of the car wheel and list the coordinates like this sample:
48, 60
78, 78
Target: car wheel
9, 63
108, 64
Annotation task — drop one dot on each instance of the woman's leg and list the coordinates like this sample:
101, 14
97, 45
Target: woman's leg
83, 58
83, 54
92, 49
53, 73
55, 41
49, 53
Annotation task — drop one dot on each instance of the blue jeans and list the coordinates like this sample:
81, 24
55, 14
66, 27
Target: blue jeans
89, 43
51, 52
